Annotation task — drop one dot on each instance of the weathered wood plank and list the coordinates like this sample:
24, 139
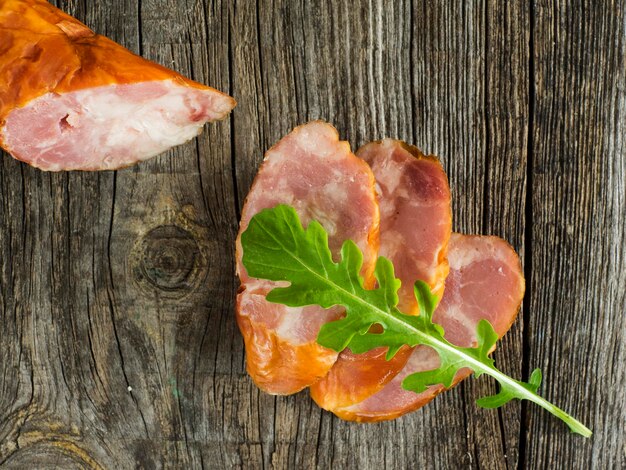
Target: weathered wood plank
73, 392
505, 197
470, 78
131, 284
578, 297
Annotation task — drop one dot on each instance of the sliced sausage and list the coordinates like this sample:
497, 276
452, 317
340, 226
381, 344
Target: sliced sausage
415, 226
485, 282
311, 170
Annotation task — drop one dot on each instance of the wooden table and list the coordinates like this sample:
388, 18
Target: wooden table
119, 347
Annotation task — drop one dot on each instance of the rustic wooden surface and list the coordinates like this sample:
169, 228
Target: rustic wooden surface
118, 345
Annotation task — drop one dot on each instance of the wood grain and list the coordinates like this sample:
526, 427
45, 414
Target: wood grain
119, 347
579, 229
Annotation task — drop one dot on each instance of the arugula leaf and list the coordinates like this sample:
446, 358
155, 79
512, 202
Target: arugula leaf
276, 247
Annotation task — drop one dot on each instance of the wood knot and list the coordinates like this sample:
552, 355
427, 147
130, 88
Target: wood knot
168, 259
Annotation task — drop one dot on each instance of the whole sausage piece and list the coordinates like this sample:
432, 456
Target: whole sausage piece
71, 99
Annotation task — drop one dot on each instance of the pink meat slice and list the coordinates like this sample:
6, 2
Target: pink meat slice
415, 227
109, 127
415, 215
311, 170
485, 282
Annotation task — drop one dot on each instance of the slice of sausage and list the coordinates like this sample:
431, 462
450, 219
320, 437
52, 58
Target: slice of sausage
74, 100
415, 226
485, 282
415, 215
311, 170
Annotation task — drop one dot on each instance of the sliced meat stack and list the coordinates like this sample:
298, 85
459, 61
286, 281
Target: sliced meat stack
485, 282
415, 226
475, 277
74, 100
318, 175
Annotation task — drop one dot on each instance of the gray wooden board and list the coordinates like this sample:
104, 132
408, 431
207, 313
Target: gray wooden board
118, 345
